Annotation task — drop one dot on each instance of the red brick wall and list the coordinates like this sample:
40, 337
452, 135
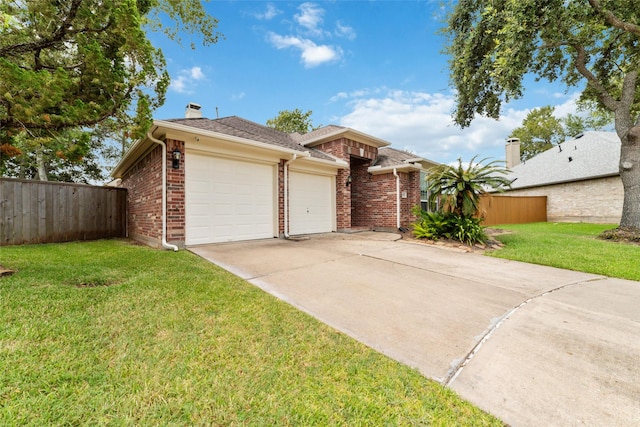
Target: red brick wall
359, 156
175, 195
374, 199
144, 197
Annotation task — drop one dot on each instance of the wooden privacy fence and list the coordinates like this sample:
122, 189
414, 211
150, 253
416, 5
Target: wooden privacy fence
50, 212
513, 209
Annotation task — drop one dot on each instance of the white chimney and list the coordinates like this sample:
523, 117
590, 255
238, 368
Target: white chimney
513, 152
193, 111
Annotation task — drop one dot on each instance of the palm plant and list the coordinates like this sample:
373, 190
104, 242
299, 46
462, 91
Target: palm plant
464, 186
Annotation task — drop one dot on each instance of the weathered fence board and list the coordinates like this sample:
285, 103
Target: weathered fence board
49, 212
513, 209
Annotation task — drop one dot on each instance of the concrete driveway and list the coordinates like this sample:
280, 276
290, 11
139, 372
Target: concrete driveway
532, 345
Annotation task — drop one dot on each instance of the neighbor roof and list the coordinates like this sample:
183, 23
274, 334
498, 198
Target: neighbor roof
587, 156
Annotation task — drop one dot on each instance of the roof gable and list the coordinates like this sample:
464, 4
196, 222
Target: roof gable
592, 155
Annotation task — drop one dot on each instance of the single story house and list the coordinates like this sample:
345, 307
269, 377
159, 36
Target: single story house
195, 180
580, 178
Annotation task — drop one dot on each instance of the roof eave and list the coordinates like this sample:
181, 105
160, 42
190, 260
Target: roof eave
347, 133
565, 181
408, 167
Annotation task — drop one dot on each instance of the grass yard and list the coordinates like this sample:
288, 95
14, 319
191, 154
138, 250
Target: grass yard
571, 246
109, 333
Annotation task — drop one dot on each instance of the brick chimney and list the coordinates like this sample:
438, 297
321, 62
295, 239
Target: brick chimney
513, 152
193, 111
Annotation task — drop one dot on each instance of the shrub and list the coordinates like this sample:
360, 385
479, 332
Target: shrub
437, 225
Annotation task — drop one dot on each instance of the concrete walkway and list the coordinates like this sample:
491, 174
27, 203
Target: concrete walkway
532, 345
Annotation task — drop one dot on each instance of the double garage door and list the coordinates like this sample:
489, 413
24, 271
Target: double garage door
230, 199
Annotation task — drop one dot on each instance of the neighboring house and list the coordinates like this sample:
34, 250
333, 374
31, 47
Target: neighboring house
231, 179
580, 178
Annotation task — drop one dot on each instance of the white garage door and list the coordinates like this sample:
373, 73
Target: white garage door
227, 200
311, 207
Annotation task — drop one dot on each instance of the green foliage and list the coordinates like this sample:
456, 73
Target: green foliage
292, 121
465, 185
467, 230
438, 225
539, 131
69, 156
72, 64
494, 44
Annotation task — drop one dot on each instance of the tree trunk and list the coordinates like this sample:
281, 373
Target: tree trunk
42, 170
630, 175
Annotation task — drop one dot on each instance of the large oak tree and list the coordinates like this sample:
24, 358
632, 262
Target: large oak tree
494, 44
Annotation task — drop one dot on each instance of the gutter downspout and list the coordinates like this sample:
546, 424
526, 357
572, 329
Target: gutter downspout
286, 195
164, 193
395, 173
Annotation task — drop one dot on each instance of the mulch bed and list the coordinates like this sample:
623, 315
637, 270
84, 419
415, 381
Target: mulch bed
492, 243
622, 235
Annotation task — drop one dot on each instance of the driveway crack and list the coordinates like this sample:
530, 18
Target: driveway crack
455, 370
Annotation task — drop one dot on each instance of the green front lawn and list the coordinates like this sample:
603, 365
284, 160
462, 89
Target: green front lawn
108, 333
571, 246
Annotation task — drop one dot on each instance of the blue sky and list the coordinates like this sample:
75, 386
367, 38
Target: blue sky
375, 66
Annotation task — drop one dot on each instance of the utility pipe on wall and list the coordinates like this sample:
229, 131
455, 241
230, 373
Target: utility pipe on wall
164, 193
395, 173
286, 195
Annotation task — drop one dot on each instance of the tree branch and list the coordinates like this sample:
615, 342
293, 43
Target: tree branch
613, 20
63, 32
581, 64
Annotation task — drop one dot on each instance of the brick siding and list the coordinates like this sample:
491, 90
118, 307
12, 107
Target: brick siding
369, 201
144, 198
176, 219
595, 200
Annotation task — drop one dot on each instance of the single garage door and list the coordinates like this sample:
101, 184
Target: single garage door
227, 200
311, 207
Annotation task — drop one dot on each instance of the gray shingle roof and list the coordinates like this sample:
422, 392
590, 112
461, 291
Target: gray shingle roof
392, 157
593, 155
325, 130
242, 128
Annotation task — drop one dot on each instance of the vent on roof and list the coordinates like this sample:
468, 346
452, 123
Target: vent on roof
193, 111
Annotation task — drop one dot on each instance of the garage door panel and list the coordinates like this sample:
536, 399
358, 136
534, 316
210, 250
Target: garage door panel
311, 204
228, 200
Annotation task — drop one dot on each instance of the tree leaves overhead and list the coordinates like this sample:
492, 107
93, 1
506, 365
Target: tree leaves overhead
494, 44
70, 63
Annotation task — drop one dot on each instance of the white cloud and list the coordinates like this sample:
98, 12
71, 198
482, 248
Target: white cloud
344, 31
421, 122
270, 12
310, 18
185, 81
238, 96
311, 54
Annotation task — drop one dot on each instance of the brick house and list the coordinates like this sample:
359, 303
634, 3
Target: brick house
231, 179
580, 178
